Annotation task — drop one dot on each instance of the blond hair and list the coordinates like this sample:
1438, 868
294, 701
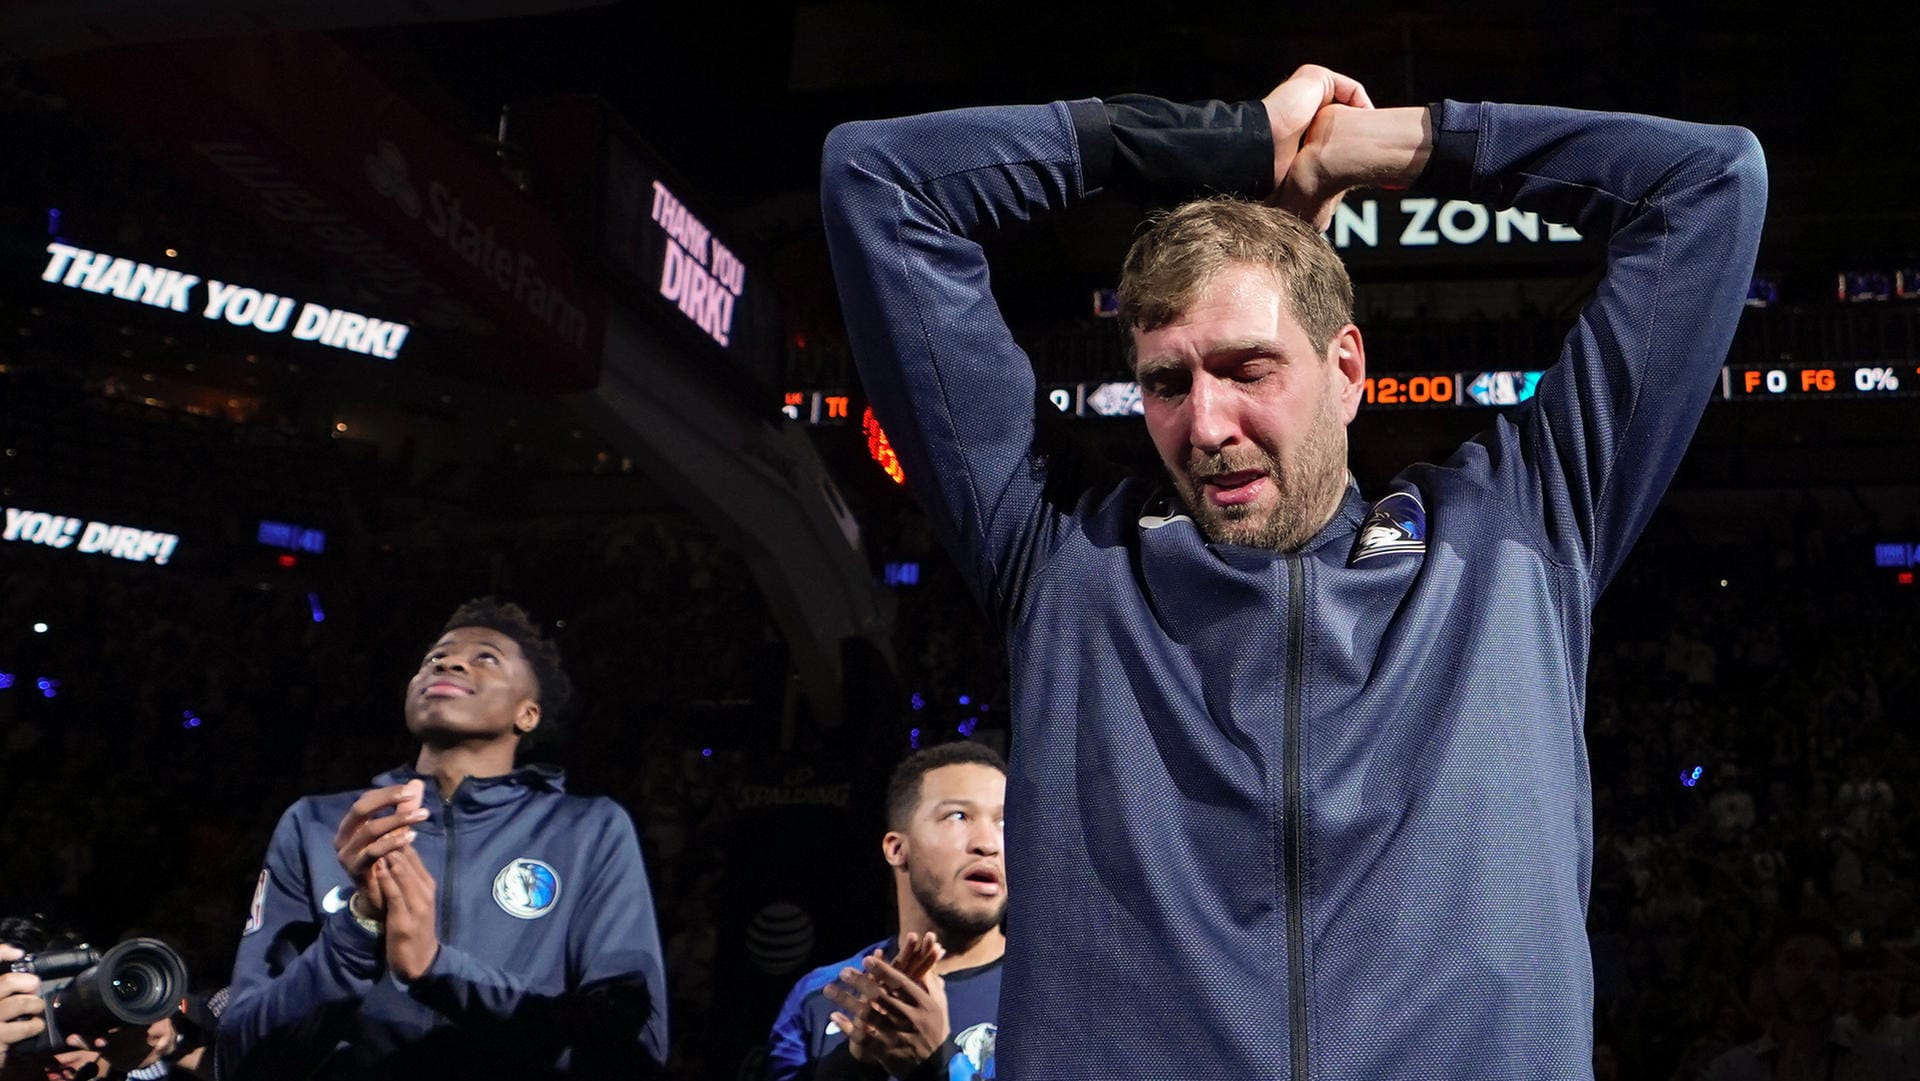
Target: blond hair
1183, 249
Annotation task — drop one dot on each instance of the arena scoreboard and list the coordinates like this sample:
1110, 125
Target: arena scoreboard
1441, 390
1820, 381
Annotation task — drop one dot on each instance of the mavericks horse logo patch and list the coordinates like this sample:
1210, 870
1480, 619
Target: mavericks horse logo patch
974, 1062
1397, 523
526, 888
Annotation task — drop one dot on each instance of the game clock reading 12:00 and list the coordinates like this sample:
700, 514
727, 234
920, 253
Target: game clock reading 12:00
1429, 390
1438, 389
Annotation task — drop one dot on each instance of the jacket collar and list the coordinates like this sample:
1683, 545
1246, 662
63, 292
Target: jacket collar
477, 792
1163, 507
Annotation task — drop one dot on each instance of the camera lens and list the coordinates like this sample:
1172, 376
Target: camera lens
137, 982
134, 984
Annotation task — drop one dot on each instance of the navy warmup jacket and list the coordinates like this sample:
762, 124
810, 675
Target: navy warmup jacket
1316, 814
549, 960
805, 1044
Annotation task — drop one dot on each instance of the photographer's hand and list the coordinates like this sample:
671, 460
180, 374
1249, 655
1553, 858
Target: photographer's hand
129, 1048
20, 1005
120, 1051
407, 889
363, 838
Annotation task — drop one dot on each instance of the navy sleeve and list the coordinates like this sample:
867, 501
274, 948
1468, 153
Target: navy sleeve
905, 202
298, 976
798, 1043
1680, 206
838, 1064
937, 1065
618, 956
789, 1058
614, 1014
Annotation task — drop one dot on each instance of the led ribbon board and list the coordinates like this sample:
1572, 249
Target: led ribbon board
658, 236
126, 542
698, 274
1898, 555
267, 313
1430, 223
1427, 390
1390, 230
292, 537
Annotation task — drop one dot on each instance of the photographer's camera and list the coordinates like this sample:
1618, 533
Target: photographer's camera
86, 993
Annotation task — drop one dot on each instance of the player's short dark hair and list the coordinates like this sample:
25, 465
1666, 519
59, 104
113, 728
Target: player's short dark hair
29, 933
552, 688
903, 788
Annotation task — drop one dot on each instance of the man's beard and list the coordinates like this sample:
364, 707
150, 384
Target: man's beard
955, 925
1305, 486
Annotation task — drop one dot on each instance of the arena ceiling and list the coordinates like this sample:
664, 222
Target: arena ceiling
739, 96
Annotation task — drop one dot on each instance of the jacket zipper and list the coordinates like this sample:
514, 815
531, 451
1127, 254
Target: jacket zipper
1296, 820
445, 932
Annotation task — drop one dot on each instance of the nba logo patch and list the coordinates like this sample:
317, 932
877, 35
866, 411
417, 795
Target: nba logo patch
256, 914
526, 888
1396, 524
